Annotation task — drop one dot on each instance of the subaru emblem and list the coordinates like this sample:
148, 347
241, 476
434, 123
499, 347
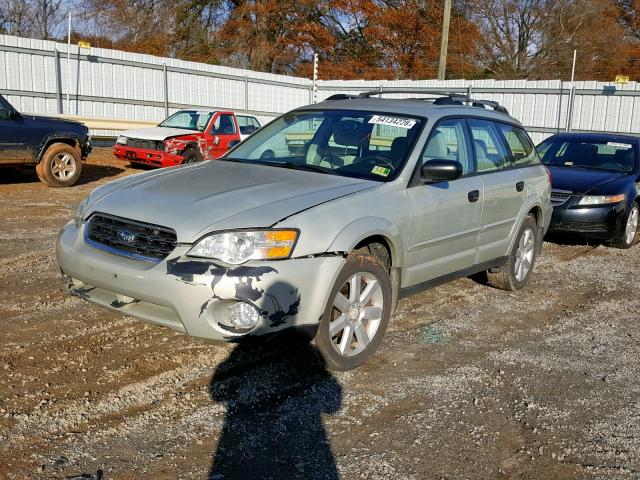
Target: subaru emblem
126, 236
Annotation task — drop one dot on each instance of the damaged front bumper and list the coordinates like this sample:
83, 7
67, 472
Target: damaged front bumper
154, 158
194, 295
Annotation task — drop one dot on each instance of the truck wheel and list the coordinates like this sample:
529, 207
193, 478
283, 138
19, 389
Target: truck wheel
630, 229
357, 313
515, 274
60, 166
192, 155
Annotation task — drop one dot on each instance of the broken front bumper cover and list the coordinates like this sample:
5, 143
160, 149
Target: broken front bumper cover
193, 295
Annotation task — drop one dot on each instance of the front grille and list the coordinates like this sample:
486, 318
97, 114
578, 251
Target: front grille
122, 236
558, 197
145, 144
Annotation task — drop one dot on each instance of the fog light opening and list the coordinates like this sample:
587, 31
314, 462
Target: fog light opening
242, 316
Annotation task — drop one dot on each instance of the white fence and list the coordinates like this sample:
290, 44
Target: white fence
109, 84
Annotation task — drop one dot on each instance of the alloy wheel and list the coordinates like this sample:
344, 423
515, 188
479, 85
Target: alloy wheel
524, 254
63, 166
632, 226
357, 314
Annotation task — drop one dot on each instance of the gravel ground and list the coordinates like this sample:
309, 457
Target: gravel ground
471, 382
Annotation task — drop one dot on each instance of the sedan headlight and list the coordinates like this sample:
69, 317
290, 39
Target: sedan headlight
121, 140
241, 246
601, 199
79, 213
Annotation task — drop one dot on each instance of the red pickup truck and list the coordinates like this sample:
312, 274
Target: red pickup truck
186, 136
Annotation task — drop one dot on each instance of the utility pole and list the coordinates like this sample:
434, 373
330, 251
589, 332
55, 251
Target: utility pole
69, 66
444, 45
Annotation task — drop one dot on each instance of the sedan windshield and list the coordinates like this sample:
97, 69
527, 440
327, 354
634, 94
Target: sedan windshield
369, 145
591, 154
188, 120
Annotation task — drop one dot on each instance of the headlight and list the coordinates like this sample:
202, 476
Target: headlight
122, 140
601, 199
239, 247
79, 214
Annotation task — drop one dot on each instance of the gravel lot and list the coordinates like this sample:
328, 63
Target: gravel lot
471, 382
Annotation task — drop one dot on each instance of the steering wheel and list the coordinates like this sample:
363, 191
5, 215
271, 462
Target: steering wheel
335, 162
380, 158
267, 155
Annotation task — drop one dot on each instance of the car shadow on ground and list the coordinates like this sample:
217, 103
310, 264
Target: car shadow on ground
275, 399
27, 174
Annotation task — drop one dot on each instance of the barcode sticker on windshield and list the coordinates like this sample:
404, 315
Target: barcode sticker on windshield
392, 121
626, 146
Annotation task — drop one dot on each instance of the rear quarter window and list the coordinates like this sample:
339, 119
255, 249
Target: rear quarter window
520, 145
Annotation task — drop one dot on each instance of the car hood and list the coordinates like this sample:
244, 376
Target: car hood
579, 180
53, 122
157, 133
218, 195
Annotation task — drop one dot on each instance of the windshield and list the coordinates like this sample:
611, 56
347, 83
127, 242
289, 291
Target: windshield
350, 143
589, 154
189, 120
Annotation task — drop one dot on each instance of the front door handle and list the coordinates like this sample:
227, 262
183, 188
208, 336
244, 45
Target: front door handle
520, 186
473, 195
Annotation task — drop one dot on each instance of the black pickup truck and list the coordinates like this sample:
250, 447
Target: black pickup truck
56, 147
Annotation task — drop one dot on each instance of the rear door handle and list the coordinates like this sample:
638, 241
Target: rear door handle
473, 195
520, 186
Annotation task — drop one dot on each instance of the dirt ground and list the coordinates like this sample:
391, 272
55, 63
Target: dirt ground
471, 382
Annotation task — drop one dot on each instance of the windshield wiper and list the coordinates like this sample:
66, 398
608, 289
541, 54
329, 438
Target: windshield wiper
302, 166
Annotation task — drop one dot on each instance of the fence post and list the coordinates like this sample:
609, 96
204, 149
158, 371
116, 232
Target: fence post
246, 94
56, 62
572, 96
315, 78
165, 81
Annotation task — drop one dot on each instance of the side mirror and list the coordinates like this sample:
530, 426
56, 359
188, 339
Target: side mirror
440, 170
8, 114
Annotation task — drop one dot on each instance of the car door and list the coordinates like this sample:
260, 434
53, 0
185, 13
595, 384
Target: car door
503, 185
445, 216
224, 133
13, 137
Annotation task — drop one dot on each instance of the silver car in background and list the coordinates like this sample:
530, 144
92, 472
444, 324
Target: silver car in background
318, 223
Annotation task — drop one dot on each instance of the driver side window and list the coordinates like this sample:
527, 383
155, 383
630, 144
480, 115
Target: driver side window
448, 142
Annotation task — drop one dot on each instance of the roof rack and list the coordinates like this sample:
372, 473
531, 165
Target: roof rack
450, 97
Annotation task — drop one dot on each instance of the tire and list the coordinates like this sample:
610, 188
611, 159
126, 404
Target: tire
630, 235
191, 155
363, 335
515, 274
60, 165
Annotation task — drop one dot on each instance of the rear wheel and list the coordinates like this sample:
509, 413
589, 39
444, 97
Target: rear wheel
192, 155
357, 314
515, 273
631, 229
60, 165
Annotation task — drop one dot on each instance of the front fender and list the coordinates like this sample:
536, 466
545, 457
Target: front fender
355, 232
62, 137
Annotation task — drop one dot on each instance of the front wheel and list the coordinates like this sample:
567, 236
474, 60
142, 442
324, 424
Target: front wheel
60, 166
192, 155
630, 230
515, 273
357, 314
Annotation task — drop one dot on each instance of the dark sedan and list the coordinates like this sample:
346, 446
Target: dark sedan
594, 185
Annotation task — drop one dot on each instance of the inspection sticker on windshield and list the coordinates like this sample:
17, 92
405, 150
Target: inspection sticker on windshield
382, 171
392, 121
626, 146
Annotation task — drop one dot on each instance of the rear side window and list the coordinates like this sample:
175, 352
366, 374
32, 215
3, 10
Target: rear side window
247, 125
522, 150
491, 153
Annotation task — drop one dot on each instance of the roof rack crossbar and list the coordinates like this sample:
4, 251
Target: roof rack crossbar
451, 96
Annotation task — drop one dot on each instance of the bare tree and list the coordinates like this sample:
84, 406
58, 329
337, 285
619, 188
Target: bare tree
46, 16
